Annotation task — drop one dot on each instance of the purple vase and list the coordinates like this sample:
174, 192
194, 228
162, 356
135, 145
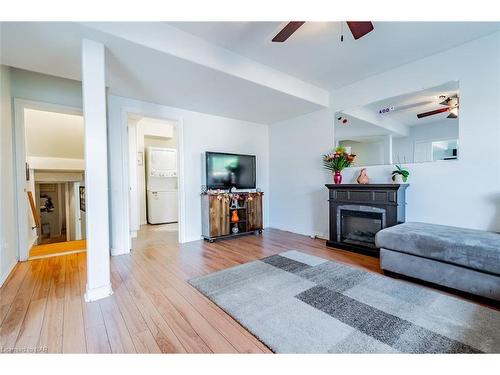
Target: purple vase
337, 178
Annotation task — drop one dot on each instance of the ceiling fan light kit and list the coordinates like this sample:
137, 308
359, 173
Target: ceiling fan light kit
453, 113
451, 104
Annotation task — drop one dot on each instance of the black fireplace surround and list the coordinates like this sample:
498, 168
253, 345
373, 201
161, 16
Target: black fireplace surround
358, 212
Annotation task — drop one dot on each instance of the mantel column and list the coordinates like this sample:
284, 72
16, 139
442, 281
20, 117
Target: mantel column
96, 171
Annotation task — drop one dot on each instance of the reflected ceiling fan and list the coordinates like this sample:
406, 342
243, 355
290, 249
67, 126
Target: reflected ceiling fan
451, 105
358, 29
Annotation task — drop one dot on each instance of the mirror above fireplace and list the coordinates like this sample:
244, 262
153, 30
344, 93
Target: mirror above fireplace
418, 127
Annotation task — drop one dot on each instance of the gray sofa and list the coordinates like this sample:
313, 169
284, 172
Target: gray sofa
463, 259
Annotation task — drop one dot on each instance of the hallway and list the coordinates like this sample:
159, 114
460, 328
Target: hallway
57, 248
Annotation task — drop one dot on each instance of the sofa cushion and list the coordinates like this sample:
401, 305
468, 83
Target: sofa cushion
471, 248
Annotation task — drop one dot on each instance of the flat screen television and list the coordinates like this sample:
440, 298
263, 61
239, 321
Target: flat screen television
225, 171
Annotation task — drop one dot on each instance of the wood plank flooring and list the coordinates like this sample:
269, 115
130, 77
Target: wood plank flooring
153, 308
45, 250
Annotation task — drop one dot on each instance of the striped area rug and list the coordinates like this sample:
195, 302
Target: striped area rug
298, 303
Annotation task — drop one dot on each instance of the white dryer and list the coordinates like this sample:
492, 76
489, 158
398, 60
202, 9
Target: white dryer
161, 185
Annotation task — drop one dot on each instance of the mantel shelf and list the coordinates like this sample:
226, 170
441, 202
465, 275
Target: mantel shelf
366, 186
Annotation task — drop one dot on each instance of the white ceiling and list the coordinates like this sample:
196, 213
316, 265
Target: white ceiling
315, 54
149, 74
359, 130
54, 135
229, 69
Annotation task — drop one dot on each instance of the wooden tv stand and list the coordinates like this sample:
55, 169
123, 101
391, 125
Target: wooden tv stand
217, 214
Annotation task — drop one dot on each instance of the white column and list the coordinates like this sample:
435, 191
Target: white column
96, 171
388, 149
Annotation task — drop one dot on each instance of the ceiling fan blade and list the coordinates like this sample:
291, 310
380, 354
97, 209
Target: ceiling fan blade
432, 113
413, 105
360, 28
287, 31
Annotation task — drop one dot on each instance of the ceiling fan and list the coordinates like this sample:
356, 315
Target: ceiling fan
358, 29
451, 105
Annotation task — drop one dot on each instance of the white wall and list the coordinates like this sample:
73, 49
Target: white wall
403, 148
8, 231
44, 88
51, 134
368, 153
198, 133
55, 164
462, 193
298, 196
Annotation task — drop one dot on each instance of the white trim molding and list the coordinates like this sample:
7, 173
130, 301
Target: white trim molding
8, 273
118, 150
94, 294
20, 167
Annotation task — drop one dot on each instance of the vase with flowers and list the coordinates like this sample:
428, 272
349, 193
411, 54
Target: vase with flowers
336, 161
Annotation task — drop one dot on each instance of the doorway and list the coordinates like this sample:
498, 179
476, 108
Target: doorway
154, 180
50, 145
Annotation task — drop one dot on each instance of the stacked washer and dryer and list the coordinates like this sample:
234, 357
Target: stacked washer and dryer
161, 185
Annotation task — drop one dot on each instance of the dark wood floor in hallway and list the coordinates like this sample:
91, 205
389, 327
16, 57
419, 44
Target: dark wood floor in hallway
153, 308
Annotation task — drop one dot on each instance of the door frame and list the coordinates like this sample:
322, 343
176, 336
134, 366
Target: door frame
126, 112
20, 158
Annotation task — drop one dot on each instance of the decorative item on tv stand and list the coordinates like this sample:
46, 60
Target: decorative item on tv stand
336, 161
226, 214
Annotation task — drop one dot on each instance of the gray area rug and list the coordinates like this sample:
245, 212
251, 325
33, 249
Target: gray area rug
298, 303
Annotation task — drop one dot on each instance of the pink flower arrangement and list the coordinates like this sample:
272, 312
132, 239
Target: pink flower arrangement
338, 159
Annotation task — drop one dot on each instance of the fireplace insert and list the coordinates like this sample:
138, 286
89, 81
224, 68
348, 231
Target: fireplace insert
358, 225
358, 212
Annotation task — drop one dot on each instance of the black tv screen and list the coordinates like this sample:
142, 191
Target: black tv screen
225, 171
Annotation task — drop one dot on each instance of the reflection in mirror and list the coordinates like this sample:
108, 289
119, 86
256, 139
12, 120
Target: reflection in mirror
414, 128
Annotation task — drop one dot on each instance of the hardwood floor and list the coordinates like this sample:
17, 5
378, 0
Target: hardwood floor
153, 308
45, 250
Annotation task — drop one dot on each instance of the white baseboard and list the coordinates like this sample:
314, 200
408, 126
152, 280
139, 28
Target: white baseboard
98, 293
133, 233
321, 236
4, 277
313, 234
32, 242
116, 252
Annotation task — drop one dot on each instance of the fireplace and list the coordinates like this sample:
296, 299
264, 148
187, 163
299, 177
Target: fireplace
357, 225
358, 212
